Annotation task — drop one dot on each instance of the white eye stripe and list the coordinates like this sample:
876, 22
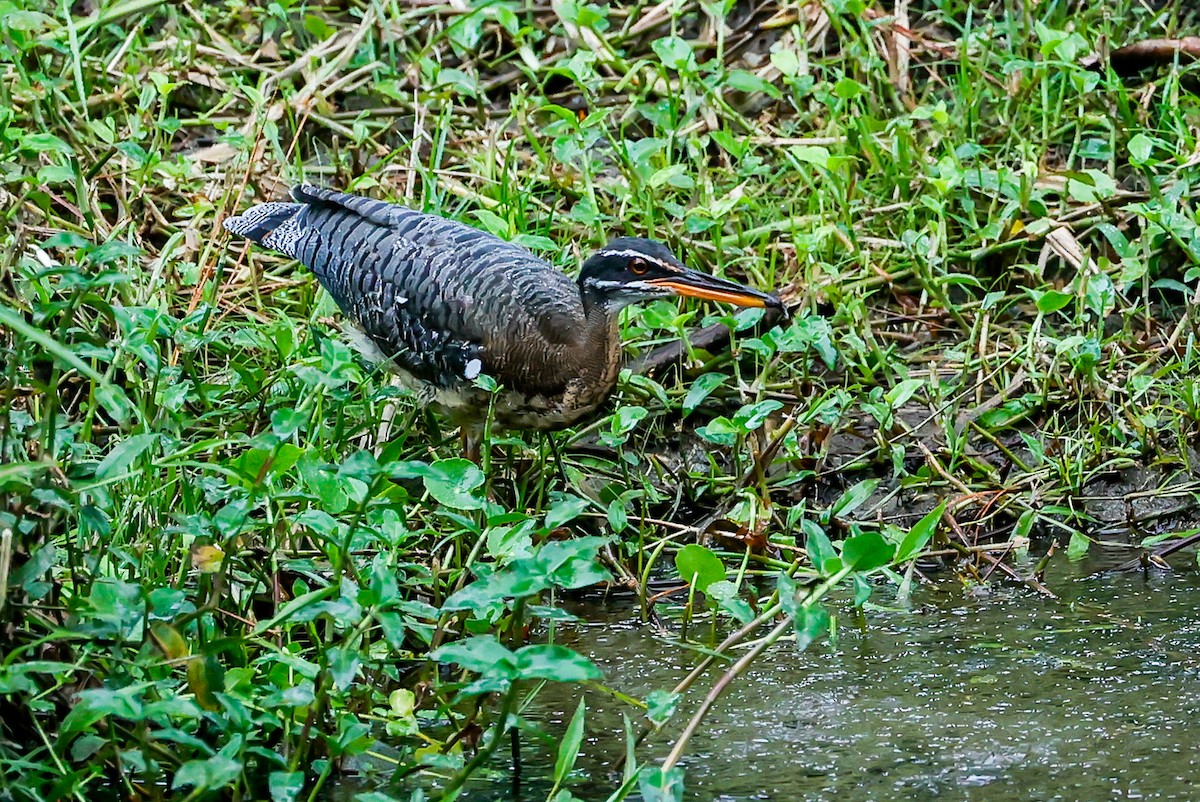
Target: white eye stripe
632, 254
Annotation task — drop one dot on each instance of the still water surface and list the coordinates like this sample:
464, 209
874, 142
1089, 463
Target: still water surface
1005, 696
967, 696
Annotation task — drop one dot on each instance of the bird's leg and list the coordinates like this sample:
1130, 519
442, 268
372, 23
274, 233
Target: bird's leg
562, 473
386, 418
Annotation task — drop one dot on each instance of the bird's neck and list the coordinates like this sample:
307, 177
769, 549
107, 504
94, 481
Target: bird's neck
599, 346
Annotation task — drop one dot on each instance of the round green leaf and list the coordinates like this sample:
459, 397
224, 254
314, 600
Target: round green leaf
699, 567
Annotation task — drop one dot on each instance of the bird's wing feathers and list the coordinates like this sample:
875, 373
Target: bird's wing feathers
445, 301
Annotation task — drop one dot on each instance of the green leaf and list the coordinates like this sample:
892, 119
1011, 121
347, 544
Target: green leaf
675, 53
15, 475
919, 535
743, 81
453, 482
1078, 545
482, 654
626, 418
1053, 300
862, 590
820, 550
27, 21
568, 750
564, 509
572, 563
786, 61
813, 154
902, 392
493, 223
811, 622
123, 454
1090, 186
212, 774
568, 564
752, 416
659, 786
1024, 524
701, 389
1140, 148
557, 663
853, 498
45, 143
848, 88
285, 786
661, 706
343, 666
618, 518
866, 552
725, 594
698, 566
720, 430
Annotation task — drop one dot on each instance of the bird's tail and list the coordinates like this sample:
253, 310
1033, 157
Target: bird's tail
269, 224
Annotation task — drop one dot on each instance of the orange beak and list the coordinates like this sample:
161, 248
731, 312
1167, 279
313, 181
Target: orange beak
694, 284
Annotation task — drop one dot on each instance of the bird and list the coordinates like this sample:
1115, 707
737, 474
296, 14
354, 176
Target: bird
443, 303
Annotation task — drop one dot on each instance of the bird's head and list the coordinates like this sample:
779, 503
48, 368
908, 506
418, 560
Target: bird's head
631, 269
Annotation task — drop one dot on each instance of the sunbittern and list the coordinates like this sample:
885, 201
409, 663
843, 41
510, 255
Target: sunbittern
442, 303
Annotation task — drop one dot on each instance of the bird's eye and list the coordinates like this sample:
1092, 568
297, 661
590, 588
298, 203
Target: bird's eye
638, 267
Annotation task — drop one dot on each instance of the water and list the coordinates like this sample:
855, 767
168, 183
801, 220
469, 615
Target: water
999, 696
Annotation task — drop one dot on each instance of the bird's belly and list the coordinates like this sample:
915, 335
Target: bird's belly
467, 405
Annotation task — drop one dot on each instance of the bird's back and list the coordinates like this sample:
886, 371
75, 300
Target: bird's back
442, 300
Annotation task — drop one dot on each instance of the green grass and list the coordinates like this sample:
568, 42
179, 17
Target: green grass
222, 578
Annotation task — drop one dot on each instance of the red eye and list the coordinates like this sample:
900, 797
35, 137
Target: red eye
638, 267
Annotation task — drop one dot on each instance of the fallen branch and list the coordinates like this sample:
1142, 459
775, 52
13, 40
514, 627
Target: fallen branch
1130, 60
709, 338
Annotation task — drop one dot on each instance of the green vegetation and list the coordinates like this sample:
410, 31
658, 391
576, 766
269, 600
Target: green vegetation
236, 561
